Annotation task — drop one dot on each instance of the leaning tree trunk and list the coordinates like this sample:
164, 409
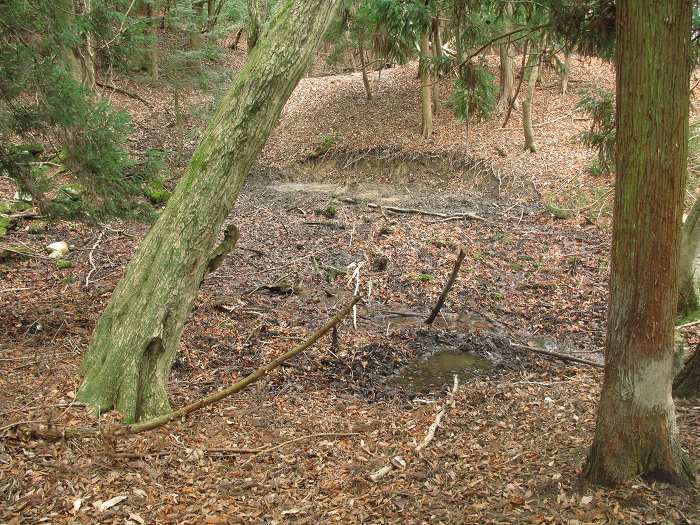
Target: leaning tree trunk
687, 382
425, 88
134, 343
690, 242
636, 432
531, 73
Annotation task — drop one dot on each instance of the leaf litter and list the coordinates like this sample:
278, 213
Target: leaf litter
301, 446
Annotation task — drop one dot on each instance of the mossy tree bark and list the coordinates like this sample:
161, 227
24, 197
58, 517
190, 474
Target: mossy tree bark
636, 432
690, 242
256, 20
532, 71
134, 343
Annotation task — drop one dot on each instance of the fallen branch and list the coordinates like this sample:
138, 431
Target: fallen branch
563, 357
688, 325
448, 286
438, 418
415, 211
137, 428
230, 450
429, 436
93, 268
123, 91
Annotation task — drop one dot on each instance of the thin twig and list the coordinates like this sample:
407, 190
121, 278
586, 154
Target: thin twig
563, 357
123, 91
415, 211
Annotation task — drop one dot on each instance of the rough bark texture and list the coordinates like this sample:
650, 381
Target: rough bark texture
636, 431
256, 19
134, 343
425, 86
687, 382
565, 67
690, 242
147, 59
437, 53
532, 70
506, 80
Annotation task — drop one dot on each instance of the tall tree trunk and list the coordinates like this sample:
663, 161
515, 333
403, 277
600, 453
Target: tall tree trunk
566, 66
196, 38
531, 73
148, 57
687, 382
256, 20
437, 54
690, 242
425, 86
507, 82
135, 341
636, 432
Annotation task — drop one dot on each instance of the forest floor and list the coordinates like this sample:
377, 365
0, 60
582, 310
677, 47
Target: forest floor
301, 446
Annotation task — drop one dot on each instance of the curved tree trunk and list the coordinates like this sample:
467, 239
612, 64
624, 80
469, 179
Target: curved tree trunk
636, 432
425, 88
531, 73
687, 382
690, 242
134, 343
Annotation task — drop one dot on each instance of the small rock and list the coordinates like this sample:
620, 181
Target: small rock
57, 249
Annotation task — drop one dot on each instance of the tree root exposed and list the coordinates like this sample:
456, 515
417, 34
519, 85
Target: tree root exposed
55, 434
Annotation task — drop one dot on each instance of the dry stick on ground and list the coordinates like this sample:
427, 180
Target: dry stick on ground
232, 450
563, 357
448, 286
123, 91
93, 268
449, 403
415, 211
136, 428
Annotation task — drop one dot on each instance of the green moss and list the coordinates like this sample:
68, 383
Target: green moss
424, 277
442, 243
5, 224
36, 227
156, 192
14, 206
62, 264
73, 191
329, 211
14, 251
